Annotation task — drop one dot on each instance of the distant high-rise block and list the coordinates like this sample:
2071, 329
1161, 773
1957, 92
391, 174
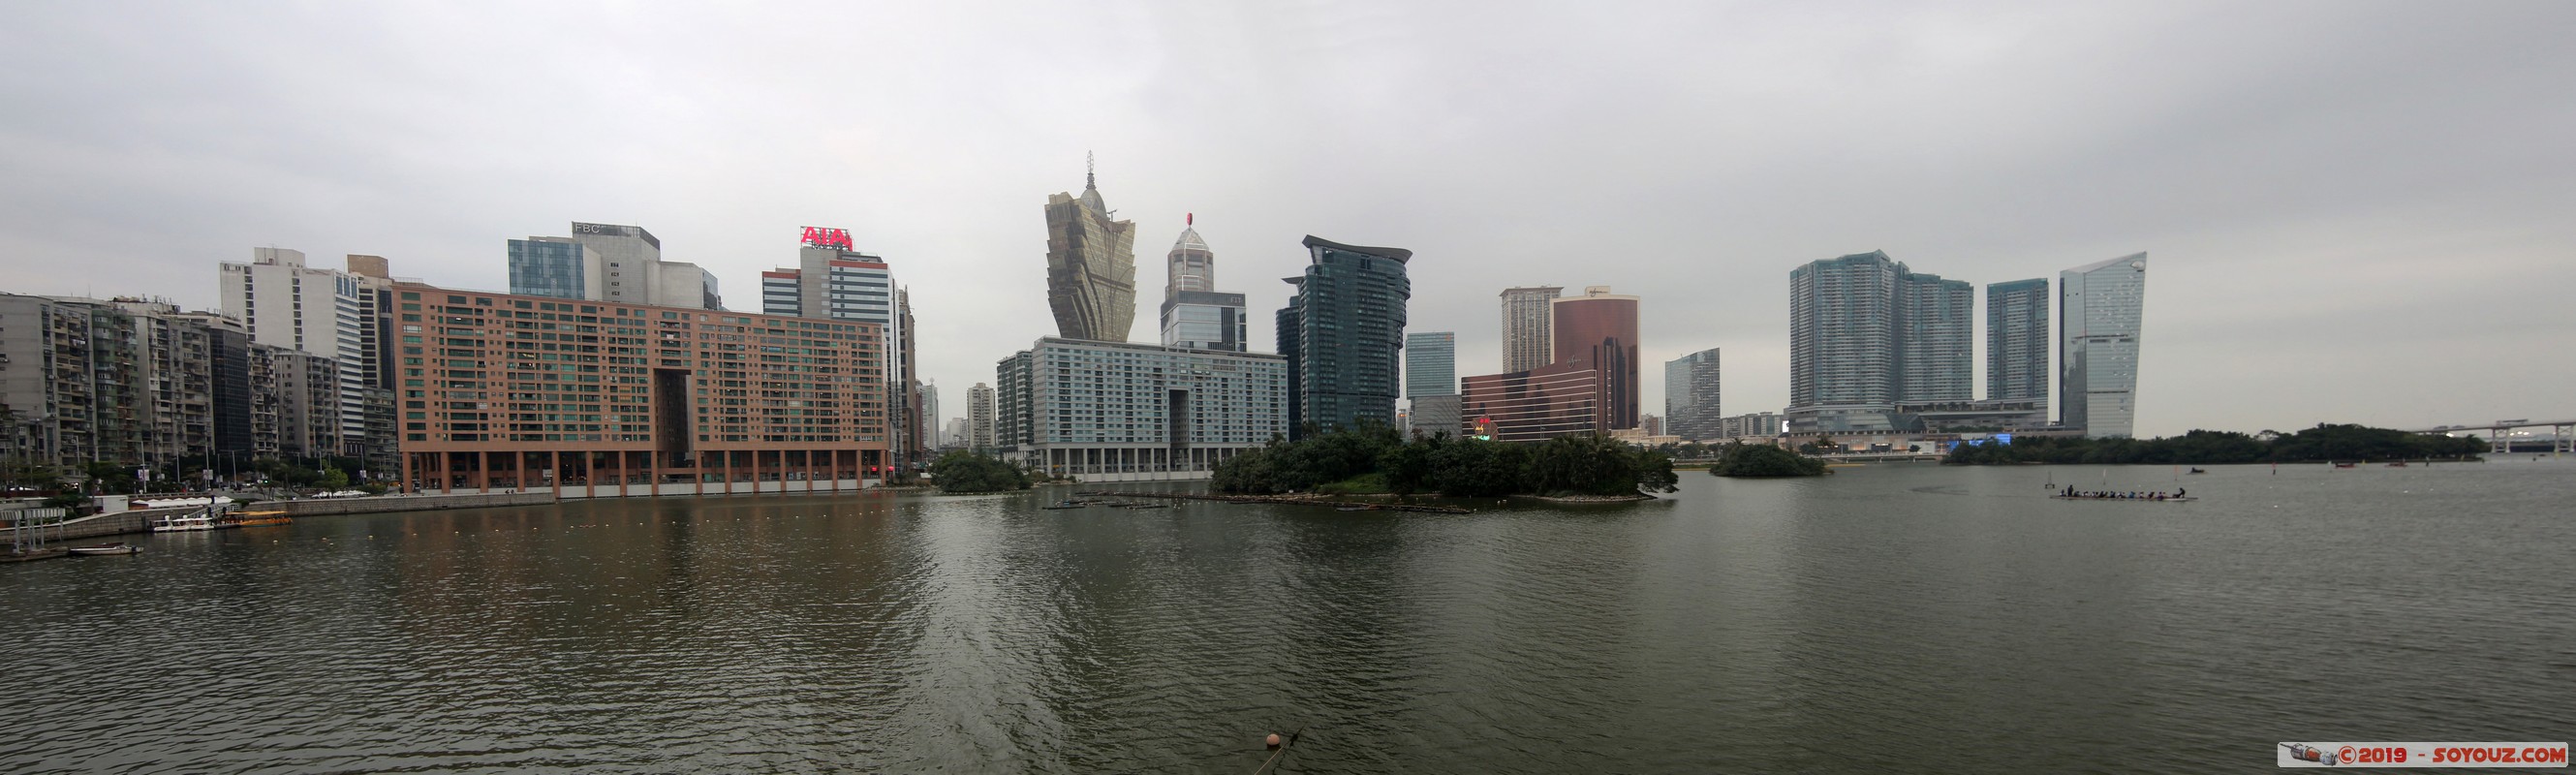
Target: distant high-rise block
608, 262
328, 313
2017, 340
1935, 338
1529, 328
1341, 332
781, 292
547, 266
1430, 364
1866, 333
1433, 416
979, 417
1091, 267
1195, 316
1598, 331
1691, 408
2100, 308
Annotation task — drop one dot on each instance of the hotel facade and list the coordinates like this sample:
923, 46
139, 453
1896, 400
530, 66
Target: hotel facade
599, 399
1117, 411
1536, 405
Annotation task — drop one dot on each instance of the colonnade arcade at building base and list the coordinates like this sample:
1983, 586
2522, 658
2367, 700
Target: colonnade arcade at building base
612, 474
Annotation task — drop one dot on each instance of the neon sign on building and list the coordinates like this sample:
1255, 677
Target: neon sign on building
820, 237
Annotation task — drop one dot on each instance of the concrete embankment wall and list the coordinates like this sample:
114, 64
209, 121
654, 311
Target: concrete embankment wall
119, 523
140, 520
384, 503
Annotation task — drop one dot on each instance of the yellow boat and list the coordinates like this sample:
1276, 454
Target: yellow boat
258, 518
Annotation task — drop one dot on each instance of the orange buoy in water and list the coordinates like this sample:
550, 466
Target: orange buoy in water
1271, 742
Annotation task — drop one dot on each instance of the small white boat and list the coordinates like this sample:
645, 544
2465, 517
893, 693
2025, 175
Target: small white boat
172, 503
119, 547
179, 523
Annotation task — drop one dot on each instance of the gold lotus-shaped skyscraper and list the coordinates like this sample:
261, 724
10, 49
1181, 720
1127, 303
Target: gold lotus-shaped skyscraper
1091, 267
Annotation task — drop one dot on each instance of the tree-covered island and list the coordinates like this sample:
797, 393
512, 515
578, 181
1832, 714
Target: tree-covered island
1374, 458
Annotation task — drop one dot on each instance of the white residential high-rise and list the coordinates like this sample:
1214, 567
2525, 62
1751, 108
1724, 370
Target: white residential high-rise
2100, 308
979, 417
930, 412
324, 312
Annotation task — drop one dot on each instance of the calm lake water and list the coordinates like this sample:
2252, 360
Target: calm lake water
1899, 618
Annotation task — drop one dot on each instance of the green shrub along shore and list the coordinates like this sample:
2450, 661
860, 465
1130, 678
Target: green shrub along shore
2321, 444
966, 472
1374, 458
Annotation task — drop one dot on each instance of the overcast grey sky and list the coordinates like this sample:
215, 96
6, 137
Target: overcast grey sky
2357, 211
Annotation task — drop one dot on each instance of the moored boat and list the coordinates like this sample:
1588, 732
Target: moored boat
258, 518
119, 547
2127, 499
181, 523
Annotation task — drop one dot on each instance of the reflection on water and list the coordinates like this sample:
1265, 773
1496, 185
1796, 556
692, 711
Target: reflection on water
1907, 618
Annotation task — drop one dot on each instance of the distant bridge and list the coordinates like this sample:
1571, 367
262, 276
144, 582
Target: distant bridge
2562, 434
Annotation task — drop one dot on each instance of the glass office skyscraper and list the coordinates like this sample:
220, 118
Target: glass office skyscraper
2017, 340
1341, 331
1690, 396
1430, 364
1431, 383
1936, 330
2100, 307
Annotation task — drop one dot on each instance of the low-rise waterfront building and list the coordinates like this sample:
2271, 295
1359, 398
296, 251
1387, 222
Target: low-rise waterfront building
1957, 416
1118, 411
1757, 424
1535, 405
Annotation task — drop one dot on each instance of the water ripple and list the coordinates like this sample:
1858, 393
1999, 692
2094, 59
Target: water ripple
1900, 618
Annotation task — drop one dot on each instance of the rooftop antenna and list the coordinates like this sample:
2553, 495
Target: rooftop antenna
1088, 167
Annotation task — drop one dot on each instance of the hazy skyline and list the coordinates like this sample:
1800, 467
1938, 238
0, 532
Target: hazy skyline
2357, 211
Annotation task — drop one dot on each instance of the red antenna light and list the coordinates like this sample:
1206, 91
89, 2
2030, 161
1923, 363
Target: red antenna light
1190, 219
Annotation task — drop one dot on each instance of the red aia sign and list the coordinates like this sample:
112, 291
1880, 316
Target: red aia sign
817, 236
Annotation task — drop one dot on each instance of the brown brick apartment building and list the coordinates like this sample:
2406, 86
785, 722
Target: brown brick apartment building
598, 399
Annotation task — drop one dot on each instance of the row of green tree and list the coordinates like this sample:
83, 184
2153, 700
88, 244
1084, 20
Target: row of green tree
319, 473
1375, 458
2324, 443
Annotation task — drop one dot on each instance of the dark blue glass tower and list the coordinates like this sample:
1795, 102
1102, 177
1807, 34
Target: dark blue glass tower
1342, 332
